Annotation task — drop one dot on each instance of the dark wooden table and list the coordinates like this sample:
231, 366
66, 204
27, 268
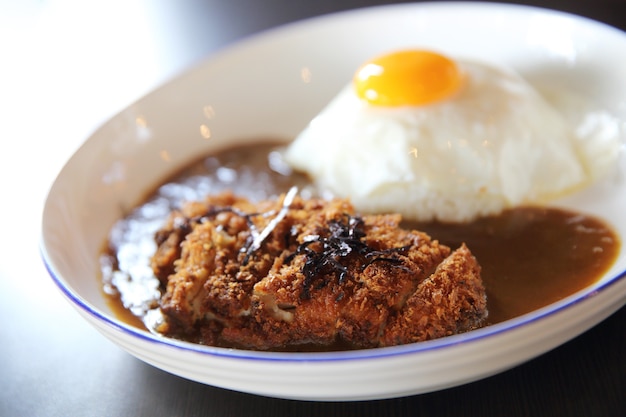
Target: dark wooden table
67, 66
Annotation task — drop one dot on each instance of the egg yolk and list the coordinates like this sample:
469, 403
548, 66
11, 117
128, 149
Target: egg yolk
407, 78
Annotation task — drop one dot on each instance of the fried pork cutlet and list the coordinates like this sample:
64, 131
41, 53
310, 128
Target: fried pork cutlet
293, 273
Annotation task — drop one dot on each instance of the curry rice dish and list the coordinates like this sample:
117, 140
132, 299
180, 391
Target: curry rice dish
306, 274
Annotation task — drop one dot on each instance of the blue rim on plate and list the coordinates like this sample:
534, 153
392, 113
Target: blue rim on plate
339, 355
489, 350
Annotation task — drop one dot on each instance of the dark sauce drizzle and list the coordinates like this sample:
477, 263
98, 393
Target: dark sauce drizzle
328, 253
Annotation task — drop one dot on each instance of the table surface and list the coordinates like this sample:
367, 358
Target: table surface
67, 66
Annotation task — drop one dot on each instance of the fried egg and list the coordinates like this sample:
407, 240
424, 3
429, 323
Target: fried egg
433, 138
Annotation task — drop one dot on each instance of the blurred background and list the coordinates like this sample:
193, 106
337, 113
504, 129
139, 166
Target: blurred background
68, 65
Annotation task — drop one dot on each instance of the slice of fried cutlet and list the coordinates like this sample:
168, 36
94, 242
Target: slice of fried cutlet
320, 275
452, 300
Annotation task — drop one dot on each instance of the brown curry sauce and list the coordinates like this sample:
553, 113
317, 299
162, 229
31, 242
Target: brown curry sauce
533, 256
530, 256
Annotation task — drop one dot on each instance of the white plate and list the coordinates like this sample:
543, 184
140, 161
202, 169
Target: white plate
271, 86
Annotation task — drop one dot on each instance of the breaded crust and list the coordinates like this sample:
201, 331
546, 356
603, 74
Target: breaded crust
322, 277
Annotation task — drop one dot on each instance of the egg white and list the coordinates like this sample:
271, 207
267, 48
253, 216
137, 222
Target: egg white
497, 143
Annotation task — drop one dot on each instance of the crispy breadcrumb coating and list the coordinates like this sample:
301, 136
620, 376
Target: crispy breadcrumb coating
323, 277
